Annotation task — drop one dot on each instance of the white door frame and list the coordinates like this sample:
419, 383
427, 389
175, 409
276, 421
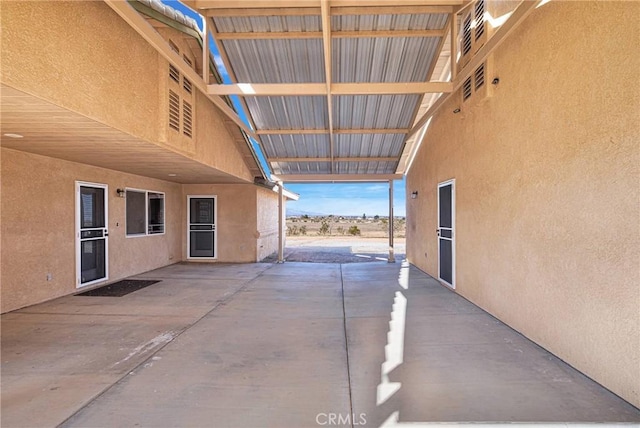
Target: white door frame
451, 182
215, 228
79, 283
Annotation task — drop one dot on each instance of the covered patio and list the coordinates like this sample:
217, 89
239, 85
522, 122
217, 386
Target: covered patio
283, 345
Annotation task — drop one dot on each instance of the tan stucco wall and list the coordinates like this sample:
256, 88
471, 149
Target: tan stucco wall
547, 189
236, 227
38, 227
211, 143
82, 56
267, 206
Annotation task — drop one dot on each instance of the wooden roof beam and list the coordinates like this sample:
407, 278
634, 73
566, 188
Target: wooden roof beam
335, 131
343, 159
326, 44
310, 89
332, 178
272, 35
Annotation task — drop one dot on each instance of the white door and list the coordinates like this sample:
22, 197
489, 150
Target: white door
202, 236
92, 235
445, 232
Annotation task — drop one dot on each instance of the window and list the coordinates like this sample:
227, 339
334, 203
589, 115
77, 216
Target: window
144, 212
156, 213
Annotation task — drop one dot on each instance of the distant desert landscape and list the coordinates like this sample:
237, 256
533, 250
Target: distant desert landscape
344, 226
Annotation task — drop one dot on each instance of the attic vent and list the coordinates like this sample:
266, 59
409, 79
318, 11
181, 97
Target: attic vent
174, 73
186, 118
478, 76
187, 85
466, 89
173, 46
187, 60
480, 22
466, 35
174, 111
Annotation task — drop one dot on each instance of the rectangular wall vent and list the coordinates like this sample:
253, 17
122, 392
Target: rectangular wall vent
187, 85
174, 111
466, 35
478, 77
466, 89
173, 46
479, 16
187, 60
187, 119
174, 73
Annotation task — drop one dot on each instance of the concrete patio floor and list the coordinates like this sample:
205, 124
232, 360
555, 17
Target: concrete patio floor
292, 345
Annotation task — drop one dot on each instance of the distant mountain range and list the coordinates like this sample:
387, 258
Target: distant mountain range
298, 213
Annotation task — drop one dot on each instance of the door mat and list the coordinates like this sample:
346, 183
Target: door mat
120, 288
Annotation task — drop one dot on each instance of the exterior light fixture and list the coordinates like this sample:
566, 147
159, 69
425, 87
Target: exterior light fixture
121, 193
495, 81
456, 111
13, 135
172, 175
414, 194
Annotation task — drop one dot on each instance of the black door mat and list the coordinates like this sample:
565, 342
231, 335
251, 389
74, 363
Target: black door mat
120, 288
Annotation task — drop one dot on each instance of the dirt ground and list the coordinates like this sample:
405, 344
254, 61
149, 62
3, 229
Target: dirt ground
348, 249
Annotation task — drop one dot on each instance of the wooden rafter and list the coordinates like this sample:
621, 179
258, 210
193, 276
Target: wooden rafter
342, 159
335, 131
432, 68
326, 43
270, 35
332, 178
304, 89
227, 65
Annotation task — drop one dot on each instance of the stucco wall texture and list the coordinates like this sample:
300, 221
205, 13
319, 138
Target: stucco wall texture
38, 227
267, 216
547, 190
240, 234
82, 56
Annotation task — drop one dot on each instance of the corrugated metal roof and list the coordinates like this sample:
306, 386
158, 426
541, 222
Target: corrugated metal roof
375, 58
365, 167
373, 111
372, 145
432, 21
289, 112
280, 146
276, 61
385, 59
302, 167
264, 24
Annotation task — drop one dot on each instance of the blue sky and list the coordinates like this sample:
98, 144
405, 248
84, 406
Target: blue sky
347, 198
320, 198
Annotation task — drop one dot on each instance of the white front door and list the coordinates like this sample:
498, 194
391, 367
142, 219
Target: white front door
446, 228
201, 228
92, 235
